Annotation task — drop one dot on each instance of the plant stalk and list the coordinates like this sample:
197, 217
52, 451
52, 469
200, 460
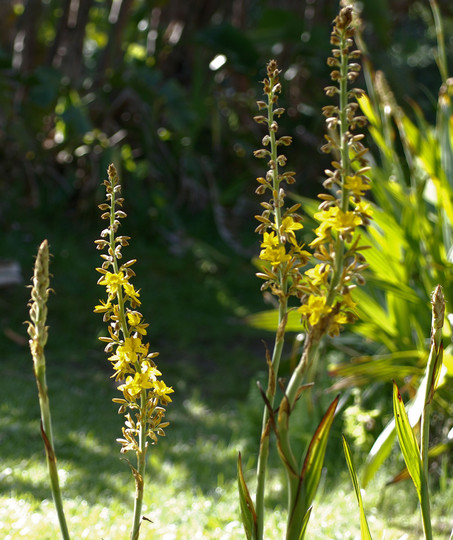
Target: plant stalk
432, 370
263, 453
139, 473
37, 330
441, 55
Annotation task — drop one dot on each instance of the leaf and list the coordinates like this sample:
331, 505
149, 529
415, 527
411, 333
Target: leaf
434, 451
384, 443
379, 453
367, 109
248, 513
268, 320
305, 521
312, 467
408, 442
364, 529
367, 369
370, 310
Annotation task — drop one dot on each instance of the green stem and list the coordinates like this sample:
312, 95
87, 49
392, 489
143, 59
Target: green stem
345, 170
119, 295
441, 56
263, 453
140, 472
433, 365
296, 502
46, 431
424, 445
38, 332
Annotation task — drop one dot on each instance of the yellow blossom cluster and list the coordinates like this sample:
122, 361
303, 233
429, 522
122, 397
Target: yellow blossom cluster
324, 290
132, 362
281, 252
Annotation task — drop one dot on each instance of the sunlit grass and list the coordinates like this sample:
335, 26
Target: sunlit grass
192, 472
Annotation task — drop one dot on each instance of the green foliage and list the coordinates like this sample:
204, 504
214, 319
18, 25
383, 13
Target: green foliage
132, 84
410, 240
409, 445
312, 468
364, 529
248, 513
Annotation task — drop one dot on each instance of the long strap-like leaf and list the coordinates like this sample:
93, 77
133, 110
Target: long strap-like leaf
248, 513
411, 454
364, 529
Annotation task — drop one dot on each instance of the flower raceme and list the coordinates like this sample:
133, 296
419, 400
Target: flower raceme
324, 289
132, 363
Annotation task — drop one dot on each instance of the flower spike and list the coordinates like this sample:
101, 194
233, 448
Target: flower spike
144, 393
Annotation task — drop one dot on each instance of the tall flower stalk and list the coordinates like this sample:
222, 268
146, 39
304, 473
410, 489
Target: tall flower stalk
38, 333
282, 265
145, 395
323, 291
415, 456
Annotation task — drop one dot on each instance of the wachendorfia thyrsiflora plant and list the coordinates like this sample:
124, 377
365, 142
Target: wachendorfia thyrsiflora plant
145, 395
38, 333
321, 292
412, 249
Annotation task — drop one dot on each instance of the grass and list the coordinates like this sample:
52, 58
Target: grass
191, 476
210, 358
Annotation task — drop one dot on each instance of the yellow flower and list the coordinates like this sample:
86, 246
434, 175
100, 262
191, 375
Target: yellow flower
273, 251
134, 385
161, 389
356, 185
132, 363
328, 216
132, 347
322, 233
275, 256
270, 240
298, 249
318, 274
348, 301
315, 309
152, 371
288, 226
338, 320
134, 320
103, 307
130, 291
364, 208
346, 220
113, 282
334, 218
121, 364
142, 380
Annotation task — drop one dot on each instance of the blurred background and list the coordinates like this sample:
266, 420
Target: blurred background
166, 90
